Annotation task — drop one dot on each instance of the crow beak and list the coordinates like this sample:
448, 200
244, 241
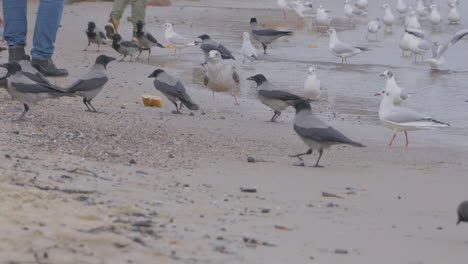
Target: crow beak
111, 58
377, 94
250, 78
5, 65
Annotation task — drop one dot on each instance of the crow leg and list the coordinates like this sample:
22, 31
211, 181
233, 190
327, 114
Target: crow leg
131, 58
141, 50
149, 54
92, 107
123, 57
273, 118
278, 113
301, 154
98, 47
176, 107
26, 109
264, 48
320, 156
85, 102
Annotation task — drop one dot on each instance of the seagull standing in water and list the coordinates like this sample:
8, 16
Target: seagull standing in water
342, 49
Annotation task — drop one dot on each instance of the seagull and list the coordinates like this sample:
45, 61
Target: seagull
276, 99
438, 49
453, 16
315, 133
388, 17
399, 94
27, 91
221, 76
361, 4
95, 35
177, 40
453, 3
342, 49
421, 9
399, 118
462, 212
312, 87
405, 43
373, 27
124, 47
247, 49
266, 36
350, 12
401, 7
145, 39
412, 21
420, 44
173, 89
322, 18
91, 83
434, 16
208, 45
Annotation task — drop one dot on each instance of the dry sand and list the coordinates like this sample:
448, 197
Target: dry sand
141, 185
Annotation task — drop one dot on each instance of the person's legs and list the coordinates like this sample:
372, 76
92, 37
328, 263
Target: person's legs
48, 19
15, 28
138, 11
112, 27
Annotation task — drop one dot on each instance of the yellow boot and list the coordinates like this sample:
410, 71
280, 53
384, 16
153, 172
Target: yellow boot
112, 27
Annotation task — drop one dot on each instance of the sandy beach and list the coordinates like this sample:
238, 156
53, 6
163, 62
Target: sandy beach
134, 184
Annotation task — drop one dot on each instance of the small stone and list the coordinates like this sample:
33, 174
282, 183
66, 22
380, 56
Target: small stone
191, 114
249, 190
141, 172
171, 156
439, 228
331, 205
299, 163
222, 117
7, 156
341, 251
250, 159
132, 161
265, 210
122, 107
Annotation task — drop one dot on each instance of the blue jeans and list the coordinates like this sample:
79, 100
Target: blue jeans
48, 19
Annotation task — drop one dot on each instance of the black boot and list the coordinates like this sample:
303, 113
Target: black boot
47, 67
15, 53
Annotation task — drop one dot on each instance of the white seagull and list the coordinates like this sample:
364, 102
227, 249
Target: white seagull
247, 49
402, 119
388, 17
178, 41
401, 7
421, 9
453, 16
350, 12
322, 18
373, 27
342, 49
412, 21
361, 4
434, 16
312, 87
391, 85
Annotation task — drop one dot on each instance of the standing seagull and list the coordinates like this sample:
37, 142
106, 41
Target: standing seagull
315, 133
177, 40
95, 35
434, 16
399, 118
145, 39
412, 21
391, 85
247, 49
373, 27
388, 17
173, 89
124, 47
312, 87
422, 10
91, 83
453, 16
25, 90
322, 18
266, 36
361, 4
350, 12
221, 76
342, 49
277, 100
419, 44
401, 7
208, 45
462, 212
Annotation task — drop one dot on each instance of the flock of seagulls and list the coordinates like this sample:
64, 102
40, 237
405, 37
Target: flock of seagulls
28, 86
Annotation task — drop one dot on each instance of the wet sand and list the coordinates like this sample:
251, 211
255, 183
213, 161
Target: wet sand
137, 185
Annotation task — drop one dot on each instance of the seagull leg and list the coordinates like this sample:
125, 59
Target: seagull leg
407, 142
320, 156
26, 109
301, 154
393, 138
236, 102
86, 103
264, 48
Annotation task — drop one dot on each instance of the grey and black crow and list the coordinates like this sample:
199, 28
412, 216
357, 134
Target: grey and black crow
145, 39
463, 212
315, 133
208, 45
124, 47
266, 36
27, 91
92, 82
31, 72
277, 100
173, 89
95, 35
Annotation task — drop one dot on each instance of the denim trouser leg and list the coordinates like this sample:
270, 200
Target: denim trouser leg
45, 30
14, 14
